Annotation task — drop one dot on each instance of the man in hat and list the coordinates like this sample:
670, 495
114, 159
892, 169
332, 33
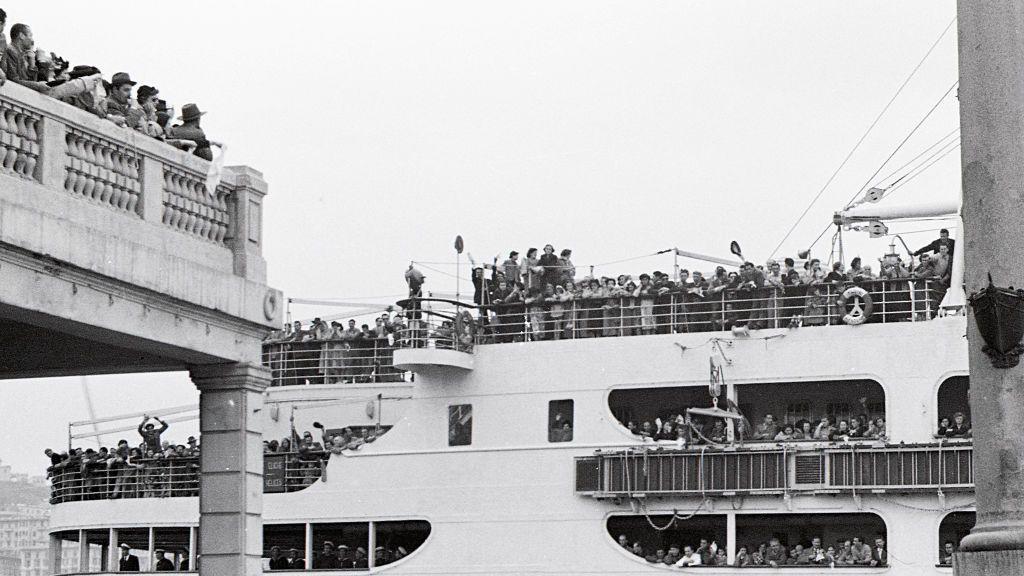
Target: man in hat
295, 562
360, 560
128, 562
277, 561
327, 558
163, 564
190, 131
193, 446
151, 434
117, 106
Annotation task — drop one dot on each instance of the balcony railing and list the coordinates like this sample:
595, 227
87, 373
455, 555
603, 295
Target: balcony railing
904, 300
333, 361
897, 468
173, 477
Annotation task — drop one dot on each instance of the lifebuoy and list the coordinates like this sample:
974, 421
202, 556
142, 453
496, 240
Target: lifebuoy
860, 305
270, 305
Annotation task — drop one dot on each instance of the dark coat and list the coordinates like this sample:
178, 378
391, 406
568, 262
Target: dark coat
129, 564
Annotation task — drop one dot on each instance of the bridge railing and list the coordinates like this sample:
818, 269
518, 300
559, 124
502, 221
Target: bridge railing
54, 144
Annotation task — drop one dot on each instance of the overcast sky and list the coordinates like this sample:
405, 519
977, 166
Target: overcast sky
614, 128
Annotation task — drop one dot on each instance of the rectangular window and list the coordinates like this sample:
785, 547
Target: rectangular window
560, 424
460, 425
797, 411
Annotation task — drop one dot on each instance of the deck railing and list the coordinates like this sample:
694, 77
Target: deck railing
829, 468
172, 477
334, 361
553, 318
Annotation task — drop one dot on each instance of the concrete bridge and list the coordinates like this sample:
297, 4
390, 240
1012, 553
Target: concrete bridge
115, 258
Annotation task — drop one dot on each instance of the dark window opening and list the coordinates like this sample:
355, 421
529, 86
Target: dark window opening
284, 546
853, 408
173, 542
952, 530
460, 425
341, 545
636, 535
811, 539
396, 540
954, 400
560, 421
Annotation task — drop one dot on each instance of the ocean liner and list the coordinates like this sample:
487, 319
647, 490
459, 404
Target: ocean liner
640, 434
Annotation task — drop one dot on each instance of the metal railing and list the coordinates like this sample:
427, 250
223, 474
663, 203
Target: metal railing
332, 361
170, 477
848, 468
902, 467
593, 315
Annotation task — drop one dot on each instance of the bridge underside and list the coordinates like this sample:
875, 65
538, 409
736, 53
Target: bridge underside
34, 346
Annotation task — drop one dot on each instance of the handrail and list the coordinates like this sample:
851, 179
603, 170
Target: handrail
175, 476
745, 469
678, 311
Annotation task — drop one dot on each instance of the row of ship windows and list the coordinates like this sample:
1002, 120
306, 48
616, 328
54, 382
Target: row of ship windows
798, 539
646, 411
326, 545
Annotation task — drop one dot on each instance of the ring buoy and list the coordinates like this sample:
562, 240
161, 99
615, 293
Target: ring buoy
270, 304
857, 304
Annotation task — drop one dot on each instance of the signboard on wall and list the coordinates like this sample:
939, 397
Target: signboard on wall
273, 473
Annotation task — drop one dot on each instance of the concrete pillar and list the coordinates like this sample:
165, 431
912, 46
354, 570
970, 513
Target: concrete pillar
83, 551
991, 36
114, 550
730, 537
56, 553
231, 468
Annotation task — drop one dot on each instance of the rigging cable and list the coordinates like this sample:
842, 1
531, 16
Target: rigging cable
935, 158
935, 145
863, 137
904, 141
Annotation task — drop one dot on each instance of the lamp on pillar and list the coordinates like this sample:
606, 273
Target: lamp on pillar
999, 316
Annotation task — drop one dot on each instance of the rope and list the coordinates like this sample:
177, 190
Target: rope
926, 167
916, 158
904, 141
863, 137
675, 516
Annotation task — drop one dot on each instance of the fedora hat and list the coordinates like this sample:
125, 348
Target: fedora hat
190, 112
121, 78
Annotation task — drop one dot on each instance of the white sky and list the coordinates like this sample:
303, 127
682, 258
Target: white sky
612, 128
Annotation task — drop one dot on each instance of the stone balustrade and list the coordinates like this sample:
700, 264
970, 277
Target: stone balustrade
102, 171
19, 140
191, 208
92, 161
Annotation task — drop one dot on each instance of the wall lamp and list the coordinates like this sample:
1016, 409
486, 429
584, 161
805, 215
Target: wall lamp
999, 315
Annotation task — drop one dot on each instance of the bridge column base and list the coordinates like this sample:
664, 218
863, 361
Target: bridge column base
231, 468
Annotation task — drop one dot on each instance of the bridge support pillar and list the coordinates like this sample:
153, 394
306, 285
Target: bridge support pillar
992, 135
231, 468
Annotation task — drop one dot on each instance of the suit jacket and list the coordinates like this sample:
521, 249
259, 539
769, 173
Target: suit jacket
880, 556
129, 564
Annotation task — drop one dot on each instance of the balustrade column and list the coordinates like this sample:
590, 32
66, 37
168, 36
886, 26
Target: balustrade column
231, 468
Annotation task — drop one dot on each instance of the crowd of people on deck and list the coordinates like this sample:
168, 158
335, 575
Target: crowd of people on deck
854, 551
688, 429
329, 353
536, 297
154, 468
338, 557
83, 86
